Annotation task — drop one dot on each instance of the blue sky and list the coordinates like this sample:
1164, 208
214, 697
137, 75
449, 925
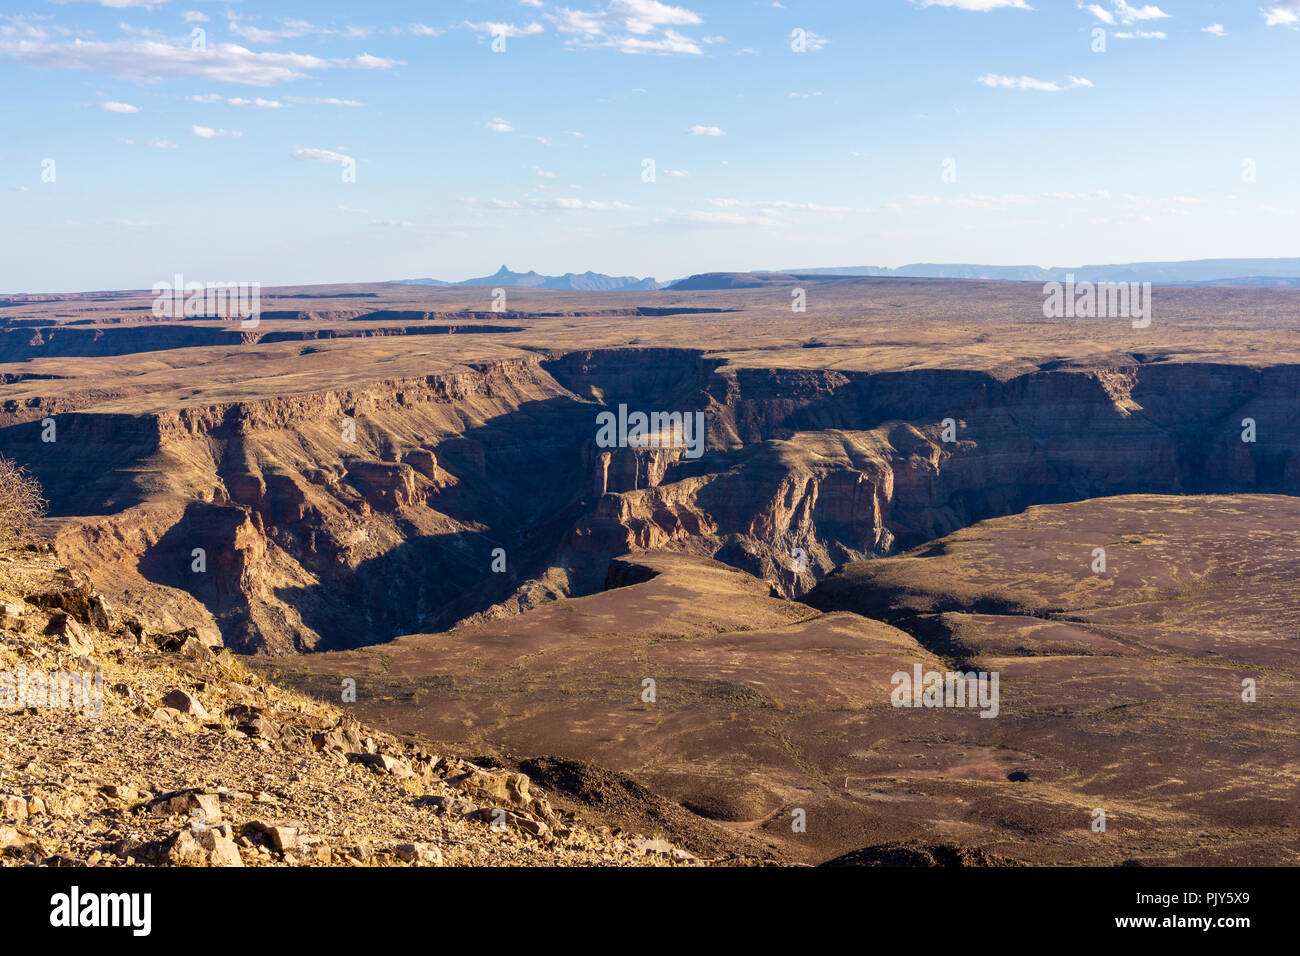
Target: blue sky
230, 162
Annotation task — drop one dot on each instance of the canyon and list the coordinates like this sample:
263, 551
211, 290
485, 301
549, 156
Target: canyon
415, 487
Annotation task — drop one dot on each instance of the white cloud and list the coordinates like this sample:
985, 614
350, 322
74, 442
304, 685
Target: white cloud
1128, 14
1283, 13
1124, 13
324, 100
289, 28
1216, 29
154, 60
1100, 12
631, 26
980, 5
594, 205
510, 30
113, 107
1079, 197
676, 173
207, 132
706, 131
1142, 35
212, 98
123, 4
193, 16
1029, 83
543, 173
162, 144
420, 30
498, 125
367, 62
312, 155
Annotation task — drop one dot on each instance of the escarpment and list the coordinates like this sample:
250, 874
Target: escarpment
336, 518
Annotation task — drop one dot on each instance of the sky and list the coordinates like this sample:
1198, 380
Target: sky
295, 142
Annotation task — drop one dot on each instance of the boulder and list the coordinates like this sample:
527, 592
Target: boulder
282, 836
186, 802
204, 846
184, 702
508, 788
382, 763
66, 628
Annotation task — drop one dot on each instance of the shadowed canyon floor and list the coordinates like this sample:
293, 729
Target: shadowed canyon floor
909, 472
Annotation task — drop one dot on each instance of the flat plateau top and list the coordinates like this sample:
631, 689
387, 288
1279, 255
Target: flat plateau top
106, 350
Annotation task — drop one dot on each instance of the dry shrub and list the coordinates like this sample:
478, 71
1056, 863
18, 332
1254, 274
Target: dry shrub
21, 504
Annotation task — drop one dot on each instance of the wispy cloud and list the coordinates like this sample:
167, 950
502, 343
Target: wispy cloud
1029, 83
207, 132
631, 26
258, 102
981, 6
113, 107
312, 155
510, 30
1124, 13
706, 131
155, 60
289, 28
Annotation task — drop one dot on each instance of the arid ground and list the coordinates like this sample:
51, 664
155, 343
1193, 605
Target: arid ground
398, 485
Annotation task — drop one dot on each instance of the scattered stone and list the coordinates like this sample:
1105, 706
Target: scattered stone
205, 846
282, 836
65, 627
452, 805
120, 792
382, 763
662, 848
185, 802
196, 650
419, 854
185, 703
262, 727
13, 808
9, 837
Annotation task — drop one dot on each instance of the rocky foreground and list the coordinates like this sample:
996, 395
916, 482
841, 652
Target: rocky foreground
124, 747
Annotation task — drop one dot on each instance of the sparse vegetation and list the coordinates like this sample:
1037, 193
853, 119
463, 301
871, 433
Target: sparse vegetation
21, 504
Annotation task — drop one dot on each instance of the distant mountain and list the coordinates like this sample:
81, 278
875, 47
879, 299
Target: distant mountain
586, 281
735, 280
1192, 272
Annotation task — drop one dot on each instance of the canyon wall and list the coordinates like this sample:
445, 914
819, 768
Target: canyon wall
280, 526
